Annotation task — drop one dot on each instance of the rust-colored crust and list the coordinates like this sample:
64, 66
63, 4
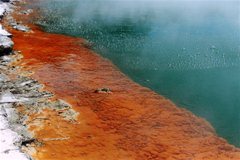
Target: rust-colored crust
131, 123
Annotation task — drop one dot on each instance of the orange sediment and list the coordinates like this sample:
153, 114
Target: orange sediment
130, 123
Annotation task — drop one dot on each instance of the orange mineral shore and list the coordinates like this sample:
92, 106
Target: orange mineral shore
130, 123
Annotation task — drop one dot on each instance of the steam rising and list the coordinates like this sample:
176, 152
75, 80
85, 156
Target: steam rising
188, 51
192, 10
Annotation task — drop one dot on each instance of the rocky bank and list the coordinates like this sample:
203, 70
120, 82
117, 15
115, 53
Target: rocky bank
20, 95
11, 131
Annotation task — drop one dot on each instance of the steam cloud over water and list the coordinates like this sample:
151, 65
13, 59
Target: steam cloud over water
189, 51
191, 10
167, 20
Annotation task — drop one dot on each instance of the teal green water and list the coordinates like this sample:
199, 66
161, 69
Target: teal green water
188, 51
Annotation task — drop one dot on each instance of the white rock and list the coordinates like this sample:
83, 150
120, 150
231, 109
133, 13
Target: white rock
26, 83
6, 58
7, 97
13, 155
8, 151
3, 77
6, 41
3, 32
3, 8
21, 27
6, 45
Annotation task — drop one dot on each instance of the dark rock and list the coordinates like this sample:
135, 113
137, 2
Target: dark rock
103, 90
28, 141
5, 0
6, 45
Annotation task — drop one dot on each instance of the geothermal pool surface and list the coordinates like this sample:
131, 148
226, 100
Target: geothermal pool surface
187, 51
